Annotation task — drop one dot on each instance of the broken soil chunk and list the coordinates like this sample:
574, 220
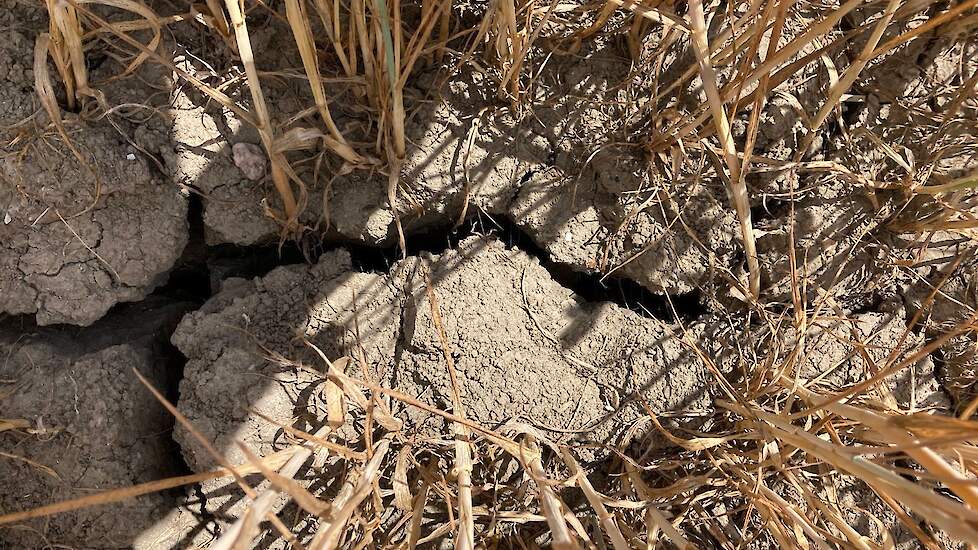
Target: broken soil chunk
68, 257
85, 424
76, 237
524, 347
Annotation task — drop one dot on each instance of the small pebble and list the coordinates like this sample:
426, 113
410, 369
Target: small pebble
130, 156
6, 218
250, 159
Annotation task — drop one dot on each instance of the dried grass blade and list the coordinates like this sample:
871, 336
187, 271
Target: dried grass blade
551, 507
463, 454
219, 18
277, 160
514, 449
329, 16
852, 72
13, 424
65, 18
656, 15
736, 185
329, 534
335, 401
59, 54
420, 501
762, 87
210, 91
929, 25
45, 92
238, 477
834, 515
334, 374
926, 457
241, 535
283, 482
402, 491
949, 515
46, 469
340, 450
813, 33
694, 444
125, 493
299, 22
148, 15
595, 500
654, 517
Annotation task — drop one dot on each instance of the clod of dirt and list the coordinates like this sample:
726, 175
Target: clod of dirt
84, 423
527, 348
250, 159
77, 237
75, 246
524, 348
225, 342
616, 220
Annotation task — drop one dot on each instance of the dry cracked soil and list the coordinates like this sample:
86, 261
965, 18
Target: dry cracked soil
568, 294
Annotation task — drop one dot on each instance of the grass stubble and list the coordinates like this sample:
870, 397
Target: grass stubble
776, 449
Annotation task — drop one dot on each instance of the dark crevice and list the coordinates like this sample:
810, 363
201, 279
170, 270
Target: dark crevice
873, 304
189, 280
851, 112
224, 261
847, 23
526, 177
202, 269
589, 286
173, 362
95, 60
941, 373
770, 210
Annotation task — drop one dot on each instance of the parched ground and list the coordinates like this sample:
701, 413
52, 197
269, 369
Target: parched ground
84, 423
78, 235
594, 275
524, 346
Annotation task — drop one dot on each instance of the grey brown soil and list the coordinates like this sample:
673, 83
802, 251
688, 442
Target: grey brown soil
833, 360
86, 424
586, 267
526, 349
592, 208
76, 237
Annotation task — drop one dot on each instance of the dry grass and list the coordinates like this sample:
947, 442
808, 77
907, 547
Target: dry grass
769, 464
775, 460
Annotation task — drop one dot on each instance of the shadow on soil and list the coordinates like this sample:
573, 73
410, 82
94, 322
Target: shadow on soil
203, 268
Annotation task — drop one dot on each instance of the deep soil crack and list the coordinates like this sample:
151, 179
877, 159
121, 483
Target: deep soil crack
201, 269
